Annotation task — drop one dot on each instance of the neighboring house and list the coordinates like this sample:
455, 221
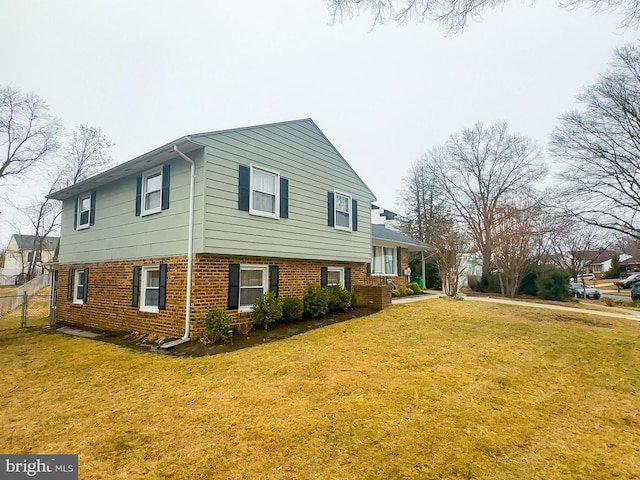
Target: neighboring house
21, 251
390, 251
598, 262
631, 264
271, 207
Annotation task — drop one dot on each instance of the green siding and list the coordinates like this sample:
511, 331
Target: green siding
119, 235
299, 152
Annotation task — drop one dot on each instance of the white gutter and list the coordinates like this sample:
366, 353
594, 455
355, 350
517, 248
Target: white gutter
187, 314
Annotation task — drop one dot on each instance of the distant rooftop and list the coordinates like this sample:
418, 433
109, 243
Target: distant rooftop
27, 242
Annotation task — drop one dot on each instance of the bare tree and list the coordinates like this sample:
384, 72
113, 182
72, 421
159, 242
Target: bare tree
28, 133
450, 244
599, 146
570, 242
86, 155
483, 169
518, 238
423, 200
453, 15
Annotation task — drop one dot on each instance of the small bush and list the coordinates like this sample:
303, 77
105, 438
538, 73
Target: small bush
292, 309
405, 291
415, 288
339, 299
216, 325
395, 292
316, 301
266, 309
354, 299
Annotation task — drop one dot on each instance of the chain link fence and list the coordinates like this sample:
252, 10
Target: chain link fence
32, 310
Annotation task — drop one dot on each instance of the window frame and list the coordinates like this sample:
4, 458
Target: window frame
265, 284
349, 198
261, 213
144, 273
145, 176
394, 266
340, 271
76, 283
79, 225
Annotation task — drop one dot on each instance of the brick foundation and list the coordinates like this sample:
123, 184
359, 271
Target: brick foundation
108, 305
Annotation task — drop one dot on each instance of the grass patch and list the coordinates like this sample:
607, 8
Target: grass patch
437, 389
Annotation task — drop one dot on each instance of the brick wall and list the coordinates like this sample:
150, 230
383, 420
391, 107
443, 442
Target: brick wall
108, 305
376, 296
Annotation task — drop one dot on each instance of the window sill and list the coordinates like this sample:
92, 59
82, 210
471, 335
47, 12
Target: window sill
150, 212
343, 229
149, 310
83, 227
245, 309
79, 303
258, 213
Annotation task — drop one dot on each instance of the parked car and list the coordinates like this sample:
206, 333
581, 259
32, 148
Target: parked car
635, 292
586, 276
581, 291
630, 281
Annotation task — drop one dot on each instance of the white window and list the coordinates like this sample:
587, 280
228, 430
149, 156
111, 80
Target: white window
152, 192
335, 276
79, 285
150, 291
265, 196
597, 268
254, 282
384, 261
342, 211
84, 211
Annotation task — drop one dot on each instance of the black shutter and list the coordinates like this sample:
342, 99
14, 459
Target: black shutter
138, 195
86, 285
347, 278
354, 215
166, 178
70, 285
162, 290
273, 279
331, 219
324, 271
284, 198
75, 214
92, 213
135, 290
399, 257
368, 269
244, 180
234, 286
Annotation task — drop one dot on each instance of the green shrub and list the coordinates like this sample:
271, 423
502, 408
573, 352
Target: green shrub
339, 299
292, 309
216, 325
266, 309
395, 292
553, 285
316, 301
405, 291
354, 299
415, 288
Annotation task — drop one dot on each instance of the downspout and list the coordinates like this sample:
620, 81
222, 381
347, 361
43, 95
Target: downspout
192, 189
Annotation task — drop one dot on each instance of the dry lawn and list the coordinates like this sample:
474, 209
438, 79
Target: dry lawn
435, 390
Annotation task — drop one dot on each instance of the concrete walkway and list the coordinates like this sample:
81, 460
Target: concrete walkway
613, 313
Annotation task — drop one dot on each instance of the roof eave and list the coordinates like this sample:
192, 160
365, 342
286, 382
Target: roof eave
131, 167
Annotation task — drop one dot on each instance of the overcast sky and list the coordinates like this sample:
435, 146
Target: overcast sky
148, 72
